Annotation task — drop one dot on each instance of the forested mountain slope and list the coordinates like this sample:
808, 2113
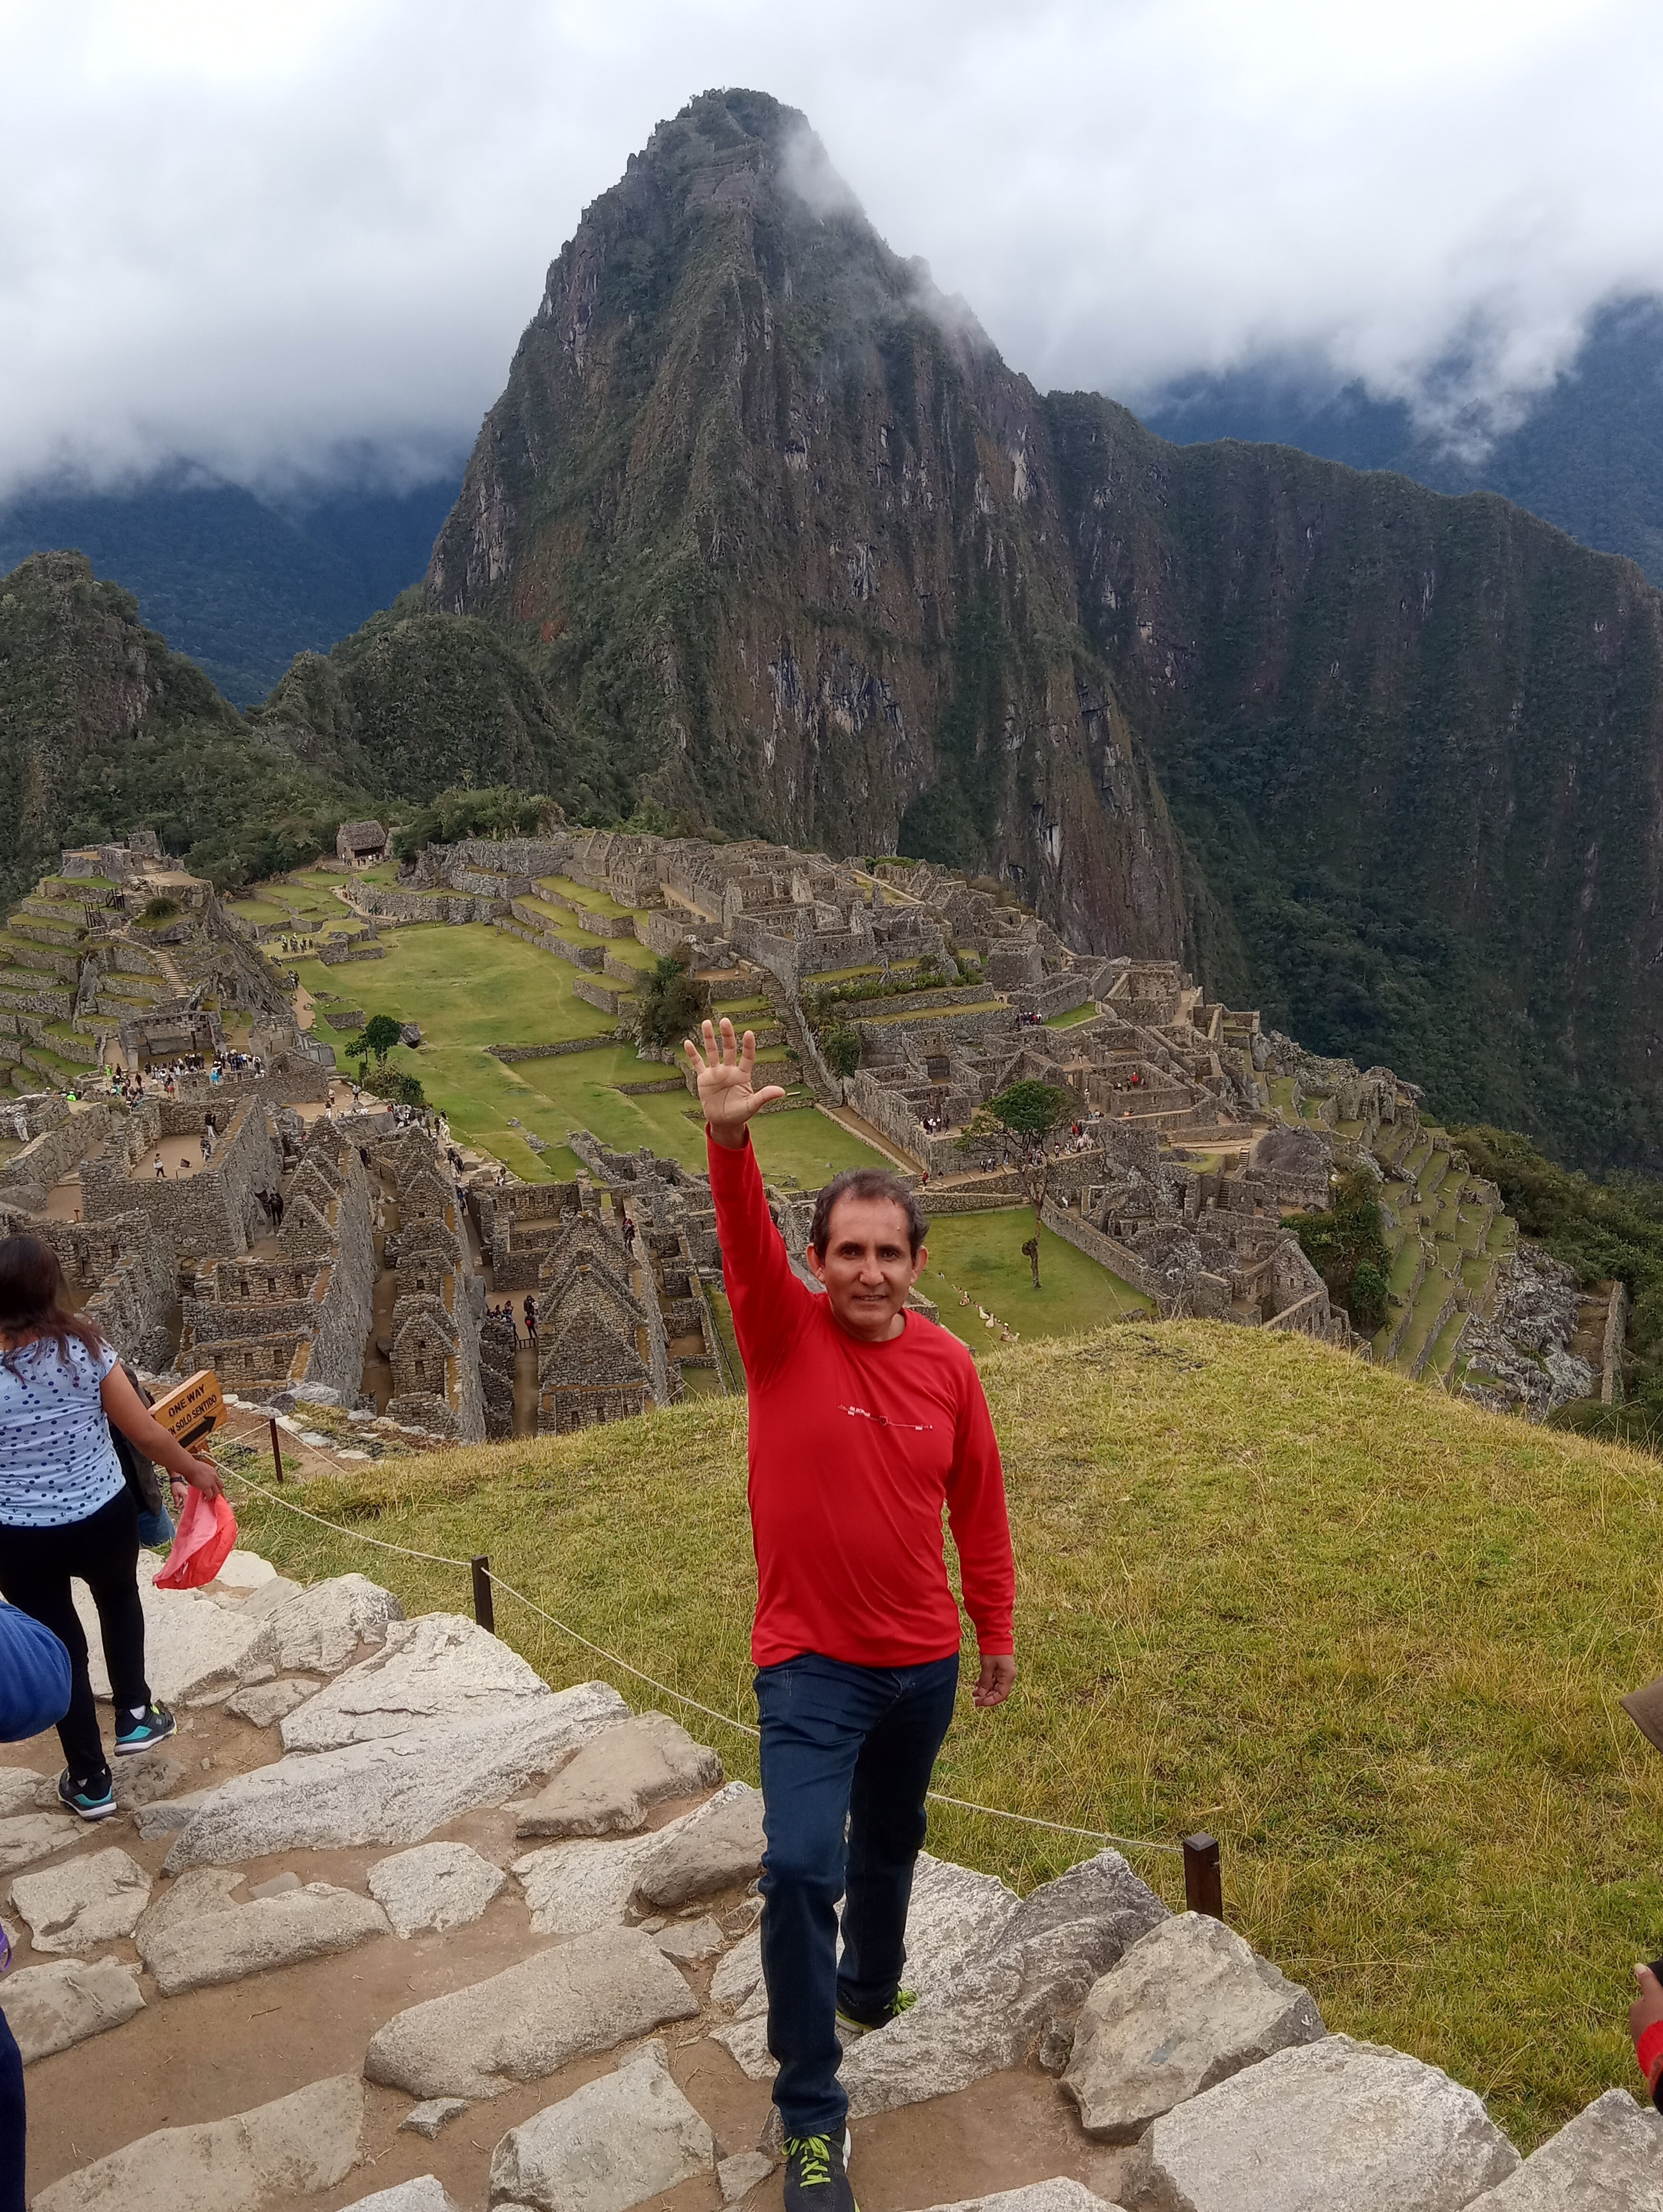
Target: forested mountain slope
1413, 745
104, 730
1587, 453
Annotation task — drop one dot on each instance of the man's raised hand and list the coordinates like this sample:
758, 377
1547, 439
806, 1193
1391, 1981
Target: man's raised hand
725, 1092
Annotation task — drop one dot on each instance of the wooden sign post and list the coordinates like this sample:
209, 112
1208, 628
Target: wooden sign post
194, 1410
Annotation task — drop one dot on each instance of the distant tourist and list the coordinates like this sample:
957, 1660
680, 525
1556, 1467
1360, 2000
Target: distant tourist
65, 1508
865, 1421
531, 1318
162, 1172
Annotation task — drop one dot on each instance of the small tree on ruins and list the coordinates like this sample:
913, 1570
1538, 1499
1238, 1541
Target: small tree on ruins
1021, 1119
672, 1002
379, 1034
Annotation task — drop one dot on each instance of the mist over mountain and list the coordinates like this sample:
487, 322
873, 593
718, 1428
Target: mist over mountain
1587, 454
239, 583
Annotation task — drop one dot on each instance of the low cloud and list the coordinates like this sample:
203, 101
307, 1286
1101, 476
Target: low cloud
278, 244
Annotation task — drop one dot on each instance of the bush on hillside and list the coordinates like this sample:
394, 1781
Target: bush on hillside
1347, 1247
673, 1003
842, 1047
393, 1083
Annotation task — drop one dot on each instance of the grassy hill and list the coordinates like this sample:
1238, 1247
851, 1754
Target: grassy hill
1374, 1636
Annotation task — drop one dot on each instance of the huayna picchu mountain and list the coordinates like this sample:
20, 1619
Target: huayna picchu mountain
795, 553
763, 538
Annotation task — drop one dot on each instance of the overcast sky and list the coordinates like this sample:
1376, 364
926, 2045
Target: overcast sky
257, 237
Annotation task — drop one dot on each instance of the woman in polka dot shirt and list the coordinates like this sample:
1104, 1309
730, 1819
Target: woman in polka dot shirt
65, 1508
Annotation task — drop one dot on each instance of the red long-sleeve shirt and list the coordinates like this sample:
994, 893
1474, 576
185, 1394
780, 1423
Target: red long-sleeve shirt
854, 1449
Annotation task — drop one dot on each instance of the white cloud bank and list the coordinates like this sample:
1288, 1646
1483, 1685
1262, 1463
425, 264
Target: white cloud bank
257, 237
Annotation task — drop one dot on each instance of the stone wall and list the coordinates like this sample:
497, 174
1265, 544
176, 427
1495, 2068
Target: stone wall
27, 1179
394, 903
210, 1213
132, 1274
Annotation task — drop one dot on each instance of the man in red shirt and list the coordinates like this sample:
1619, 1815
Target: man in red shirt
865, 1420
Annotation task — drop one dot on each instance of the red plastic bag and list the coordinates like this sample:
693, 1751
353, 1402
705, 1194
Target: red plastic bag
207, 1531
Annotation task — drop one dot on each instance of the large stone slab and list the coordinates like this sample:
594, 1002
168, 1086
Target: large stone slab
425, 2194
20, 1790
393, 1789
304, 2142
1608, 2159
436, 1885
700, 1857
439, 1668
263, 1703
954, 1915
610, 2145
322, 1627
1059, 2195
610, 1786
193, 1648
745, 2042
48, 2009
203, 1891
199, 1952
28, 1836
1319, 2127
563, 2003
83, 1902
574, 1886
1008, 1993
1189, 2004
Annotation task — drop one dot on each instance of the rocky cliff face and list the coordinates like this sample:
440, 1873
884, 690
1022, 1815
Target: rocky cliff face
794, 553
785, 539
1414, 746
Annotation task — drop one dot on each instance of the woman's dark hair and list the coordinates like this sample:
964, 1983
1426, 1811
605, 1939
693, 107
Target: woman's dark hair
32, 1303
866, 1182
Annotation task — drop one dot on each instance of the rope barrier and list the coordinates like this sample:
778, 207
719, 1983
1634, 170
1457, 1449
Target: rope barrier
465, 1566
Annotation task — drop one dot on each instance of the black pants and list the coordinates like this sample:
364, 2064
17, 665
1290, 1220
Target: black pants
11, 2123
102, 1550
846, 1758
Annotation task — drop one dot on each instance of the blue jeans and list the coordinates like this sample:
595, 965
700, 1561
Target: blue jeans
842, 1747
11, 2122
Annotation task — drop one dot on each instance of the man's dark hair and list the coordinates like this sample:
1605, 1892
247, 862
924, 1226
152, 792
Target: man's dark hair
866, 1182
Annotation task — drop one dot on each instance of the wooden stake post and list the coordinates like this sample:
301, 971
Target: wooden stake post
1203, 1878
484, 1612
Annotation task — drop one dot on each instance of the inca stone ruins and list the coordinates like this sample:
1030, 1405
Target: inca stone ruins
1193, 1134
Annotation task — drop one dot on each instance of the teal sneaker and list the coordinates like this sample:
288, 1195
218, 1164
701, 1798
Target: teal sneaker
817, 2175
92, 1801
154, 1725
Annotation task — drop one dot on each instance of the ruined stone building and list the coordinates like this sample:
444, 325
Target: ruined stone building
603, 1351
439, 1305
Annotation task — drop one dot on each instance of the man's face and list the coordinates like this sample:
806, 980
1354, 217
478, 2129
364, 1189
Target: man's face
867, 1267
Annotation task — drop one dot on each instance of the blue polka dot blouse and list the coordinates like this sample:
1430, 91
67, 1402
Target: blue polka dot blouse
57, 1461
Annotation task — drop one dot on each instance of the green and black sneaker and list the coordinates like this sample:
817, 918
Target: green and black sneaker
816, 2175
136, 1731
849, 2027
